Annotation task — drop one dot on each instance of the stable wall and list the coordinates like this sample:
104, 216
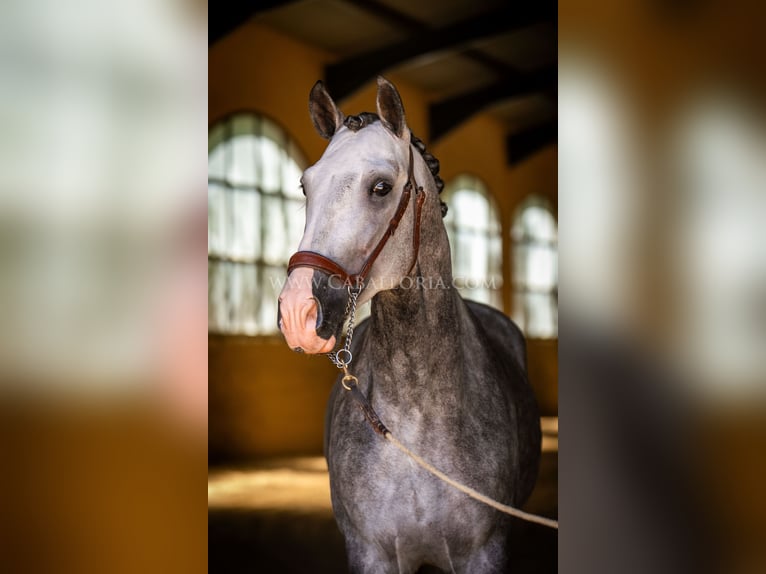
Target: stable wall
264, 399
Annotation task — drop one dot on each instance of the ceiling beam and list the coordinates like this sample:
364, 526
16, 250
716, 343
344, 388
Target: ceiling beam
447, 114
225, 17
346, 76
390, 15
519, 146
491, 63
414, 26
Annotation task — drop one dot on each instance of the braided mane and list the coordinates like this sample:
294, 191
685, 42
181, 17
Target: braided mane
364, 119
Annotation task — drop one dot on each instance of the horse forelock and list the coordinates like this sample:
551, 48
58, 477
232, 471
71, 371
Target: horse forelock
359, 121
364, 119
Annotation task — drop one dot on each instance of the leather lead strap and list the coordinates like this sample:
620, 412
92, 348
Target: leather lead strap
322, 263
369, 412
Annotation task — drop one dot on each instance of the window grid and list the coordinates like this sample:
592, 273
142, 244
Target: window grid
535, 269
255, 221
474, 232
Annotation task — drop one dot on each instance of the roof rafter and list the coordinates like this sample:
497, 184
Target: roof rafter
447, 114
227, 17
348, 75
519, 146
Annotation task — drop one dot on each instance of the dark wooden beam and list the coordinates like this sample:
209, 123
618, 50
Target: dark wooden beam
390, 15
495, 65
519, 146
415, 26
225, 17
448, 114
346, 76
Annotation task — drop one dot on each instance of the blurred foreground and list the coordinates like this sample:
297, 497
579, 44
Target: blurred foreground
662, 188
103, 385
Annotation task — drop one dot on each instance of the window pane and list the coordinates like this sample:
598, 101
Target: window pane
241, 168
478, 255
496, 298
493, 224
291, 174
462, 263
217, 308
273, 157
216, 158
541, 268
473, 228
520, 256
541, 315
535, 269
249, 311
243, 282
495, 260
272, 279
216, 219
537, 223
540, 224
471, 210
245, 217
295, 212
274, 230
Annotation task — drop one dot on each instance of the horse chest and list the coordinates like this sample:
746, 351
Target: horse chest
383, 493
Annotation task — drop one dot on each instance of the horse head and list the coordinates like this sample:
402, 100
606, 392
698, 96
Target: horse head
362, 218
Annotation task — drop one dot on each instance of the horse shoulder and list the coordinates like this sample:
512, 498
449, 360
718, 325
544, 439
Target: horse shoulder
506, 340
503, 333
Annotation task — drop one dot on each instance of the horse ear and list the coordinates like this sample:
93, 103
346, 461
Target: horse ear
390, 108
326, 116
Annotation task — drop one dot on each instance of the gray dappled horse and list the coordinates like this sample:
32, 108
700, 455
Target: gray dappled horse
447, 376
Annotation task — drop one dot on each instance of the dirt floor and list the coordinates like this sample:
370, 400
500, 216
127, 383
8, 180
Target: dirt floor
274, 516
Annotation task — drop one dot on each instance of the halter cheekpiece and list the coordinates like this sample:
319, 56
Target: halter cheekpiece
356, 280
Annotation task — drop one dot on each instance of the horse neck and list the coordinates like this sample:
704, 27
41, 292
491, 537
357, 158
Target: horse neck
415, 330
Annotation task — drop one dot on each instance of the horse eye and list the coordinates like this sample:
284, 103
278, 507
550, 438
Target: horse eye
381, 188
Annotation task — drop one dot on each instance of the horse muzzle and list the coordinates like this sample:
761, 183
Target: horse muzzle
310, 311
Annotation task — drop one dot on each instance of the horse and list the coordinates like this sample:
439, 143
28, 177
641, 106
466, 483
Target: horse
447, 375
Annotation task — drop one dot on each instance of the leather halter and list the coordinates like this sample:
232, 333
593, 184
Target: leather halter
356, 280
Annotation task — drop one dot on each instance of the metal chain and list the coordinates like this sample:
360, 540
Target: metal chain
342, 357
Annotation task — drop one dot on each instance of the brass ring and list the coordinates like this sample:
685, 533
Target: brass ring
352, 378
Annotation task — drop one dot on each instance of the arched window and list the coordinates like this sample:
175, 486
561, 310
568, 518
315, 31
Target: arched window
255, 221
535, 269
475, 239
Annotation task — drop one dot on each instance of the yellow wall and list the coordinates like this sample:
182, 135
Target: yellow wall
264, 399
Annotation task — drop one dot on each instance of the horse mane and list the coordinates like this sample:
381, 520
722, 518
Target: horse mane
364, 119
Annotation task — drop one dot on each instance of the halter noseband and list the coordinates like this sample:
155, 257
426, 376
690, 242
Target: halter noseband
356, 280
